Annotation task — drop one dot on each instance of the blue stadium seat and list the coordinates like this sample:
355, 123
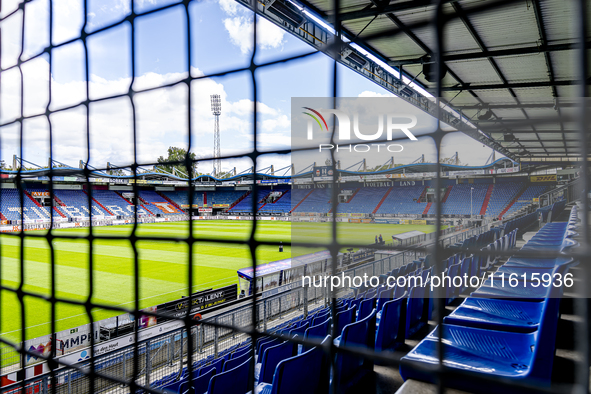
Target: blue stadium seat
300, 330
319, 318
384, 296
342, 319
492, 314
241, 351
218, 364
267, 344
349, 368
365, 308
451, 292
416, 314
391, 325
320, 330
302, 373
235, 380
234, 362
513, 355
199, 383
265, 369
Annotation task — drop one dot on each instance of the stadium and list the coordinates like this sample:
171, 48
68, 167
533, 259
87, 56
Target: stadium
281, 244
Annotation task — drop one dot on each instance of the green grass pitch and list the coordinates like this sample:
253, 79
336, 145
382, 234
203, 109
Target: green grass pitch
162, 264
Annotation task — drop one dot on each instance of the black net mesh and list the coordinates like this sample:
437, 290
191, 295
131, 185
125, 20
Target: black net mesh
137, 366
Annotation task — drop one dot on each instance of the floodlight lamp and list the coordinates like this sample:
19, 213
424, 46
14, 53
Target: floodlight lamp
216, 104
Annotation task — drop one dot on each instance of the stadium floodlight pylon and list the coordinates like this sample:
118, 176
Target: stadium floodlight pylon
216, 109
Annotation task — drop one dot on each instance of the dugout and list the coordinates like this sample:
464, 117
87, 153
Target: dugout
408, 238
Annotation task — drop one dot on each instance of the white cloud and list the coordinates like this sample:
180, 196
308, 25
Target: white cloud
240, 28
369, 93
161, 119
230, 7
278, 122
244, 106
124, 6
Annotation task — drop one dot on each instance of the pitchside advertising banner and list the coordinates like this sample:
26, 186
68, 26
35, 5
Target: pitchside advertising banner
200, 301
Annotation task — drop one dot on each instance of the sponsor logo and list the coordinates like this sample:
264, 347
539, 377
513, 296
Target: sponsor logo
543, 178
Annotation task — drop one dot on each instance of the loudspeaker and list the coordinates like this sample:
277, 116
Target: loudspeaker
430, 69
508, 137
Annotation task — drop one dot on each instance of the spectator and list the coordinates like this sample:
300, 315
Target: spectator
376, 239
381, 239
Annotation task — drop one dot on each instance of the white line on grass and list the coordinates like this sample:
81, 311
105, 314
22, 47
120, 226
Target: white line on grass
121, 304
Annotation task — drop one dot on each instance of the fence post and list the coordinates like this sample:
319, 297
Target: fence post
181, 352
171, 349
265, 315
233, 324
124, 372
201, 338
215, 339
305, 290
148, 362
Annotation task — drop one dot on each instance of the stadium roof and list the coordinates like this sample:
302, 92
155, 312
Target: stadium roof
409, 168
510, 64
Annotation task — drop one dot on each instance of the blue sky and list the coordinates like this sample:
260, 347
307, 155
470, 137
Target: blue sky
220, 41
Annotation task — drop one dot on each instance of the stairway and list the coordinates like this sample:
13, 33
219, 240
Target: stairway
513, 201
486, 199
59, 212
34, 200
126, 200
422, 196
426, 210
99, 204
447, 193
58, 201
353, 195
174, 204
2, 217
382, 201
298, 204
240, 199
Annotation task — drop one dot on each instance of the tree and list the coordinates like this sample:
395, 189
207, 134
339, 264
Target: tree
177, 155
225, 174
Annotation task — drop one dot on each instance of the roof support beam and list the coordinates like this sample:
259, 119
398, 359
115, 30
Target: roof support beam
525, 141
427, 50
468, 24
543, 38
487, 54
514, 106
375, 11
531, 132
515, 85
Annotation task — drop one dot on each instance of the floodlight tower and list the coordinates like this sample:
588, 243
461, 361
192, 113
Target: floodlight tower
216, 109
